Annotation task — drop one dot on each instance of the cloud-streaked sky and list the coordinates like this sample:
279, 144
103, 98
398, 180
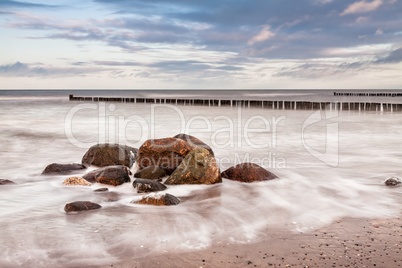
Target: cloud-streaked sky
200, 44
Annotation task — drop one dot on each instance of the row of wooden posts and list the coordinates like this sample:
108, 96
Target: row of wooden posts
285, 105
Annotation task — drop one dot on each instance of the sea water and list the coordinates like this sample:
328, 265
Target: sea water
330, 164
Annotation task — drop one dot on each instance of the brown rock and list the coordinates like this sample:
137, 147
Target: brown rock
77, 181
102, 155
81, 206
5, 182
393, 181
199, 167
147, 186
166, 153
248, 172
111, 175
151, 173
194, 142
158, 199
62, 168
101, 190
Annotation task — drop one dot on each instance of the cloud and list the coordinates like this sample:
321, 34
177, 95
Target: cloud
362, 7
264, 35
394, 56
11, 3
19, 69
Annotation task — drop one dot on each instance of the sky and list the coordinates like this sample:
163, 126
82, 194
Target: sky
201, 44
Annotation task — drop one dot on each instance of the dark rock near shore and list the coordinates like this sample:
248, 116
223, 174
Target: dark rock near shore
102, 155
158, 199
101, 190
248, 172
166, 153
147, 186
6, 182
151, 173
199, 167
111, 175
62, 168
81, 206
393, 181
194, 142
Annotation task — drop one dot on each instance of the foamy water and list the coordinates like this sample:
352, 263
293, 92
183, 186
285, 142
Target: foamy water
328, 169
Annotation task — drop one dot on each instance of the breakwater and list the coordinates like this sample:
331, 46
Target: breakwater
270, 104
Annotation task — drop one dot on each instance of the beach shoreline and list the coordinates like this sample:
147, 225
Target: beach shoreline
348, 242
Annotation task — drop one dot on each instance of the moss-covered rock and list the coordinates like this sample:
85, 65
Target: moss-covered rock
194, 142
151, 173
199, 167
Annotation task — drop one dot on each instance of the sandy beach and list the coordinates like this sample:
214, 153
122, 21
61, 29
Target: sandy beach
349, 242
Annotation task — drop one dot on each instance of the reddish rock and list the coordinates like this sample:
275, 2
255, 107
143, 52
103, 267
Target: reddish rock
81, 206
166, 153
158, 199
194, 142
62, 168
112, 175
102, 155
5, 182
248, 172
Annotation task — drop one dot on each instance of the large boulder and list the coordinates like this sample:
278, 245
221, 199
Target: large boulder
102, 155
5, 182
166, 153
194, 142
62, 168
199, 167
158, 199
81, 206
112, 175
151, 173
76, 181
147, 186
248, 172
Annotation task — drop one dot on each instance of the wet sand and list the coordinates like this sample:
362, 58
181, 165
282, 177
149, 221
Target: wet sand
349, 242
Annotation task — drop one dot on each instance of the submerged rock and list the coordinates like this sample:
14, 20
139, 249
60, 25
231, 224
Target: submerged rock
81, 206
62, 168
158, 199
146, 186
194, 142
151, 173
77, 181
112, 175
248, 172
6, 182
101, 190
393, 181
102, 155
166, 153
199, 167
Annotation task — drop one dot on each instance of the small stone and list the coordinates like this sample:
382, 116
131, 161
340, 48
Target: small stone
146, 186
5, 182
77, 181
55, 168
158, 199
100, 190
81, 206
393, 181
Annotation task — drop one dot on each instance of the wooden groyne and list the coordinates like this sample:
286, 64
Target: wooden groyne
274, 104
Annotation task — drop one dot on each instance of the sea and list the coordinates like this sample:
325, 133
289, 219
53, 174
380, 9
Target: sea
330, 164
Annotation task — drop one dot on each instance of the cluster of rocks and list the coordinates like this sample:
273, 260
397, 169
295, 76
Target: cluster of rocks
182, 159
